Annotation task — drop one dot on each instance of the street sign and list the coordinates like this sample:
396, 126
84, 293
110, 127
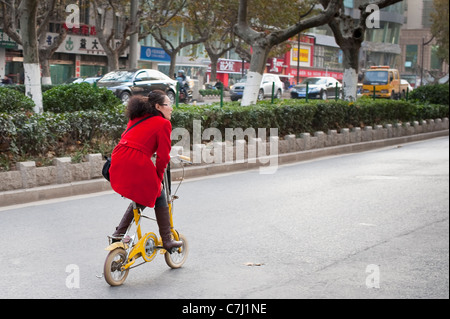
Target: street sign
6, 41
154, 54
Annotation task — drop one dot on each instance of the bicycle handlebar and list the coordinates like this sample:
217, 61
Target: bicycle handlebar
185, 159
182, 159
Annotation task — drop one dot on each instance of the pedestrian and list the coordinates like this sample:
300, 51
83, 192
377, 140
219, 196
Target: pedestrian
133, 174
7, 81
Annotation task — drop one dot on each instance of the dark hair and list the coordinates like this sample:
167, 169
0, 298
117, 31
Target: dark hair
139, 106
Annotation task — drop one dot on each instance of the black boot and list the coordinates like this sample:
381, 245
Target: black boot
123, 225
163, 220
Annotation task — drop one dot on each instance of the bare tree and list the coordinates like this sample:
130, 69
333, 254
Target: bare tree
47, 12
349, 35
34, 17
214, 21
263, 41
162, 18
113, 27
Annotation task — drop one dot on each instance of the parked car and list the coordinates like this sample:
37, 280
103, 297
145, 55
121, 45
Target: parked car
318, 88
412, 79
405, 83
74, 80
90, 80
126, 83
265, 90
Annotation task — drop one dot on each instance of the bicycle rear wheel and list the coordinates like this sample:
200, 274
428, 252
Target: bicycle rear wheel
114, 275
176, 259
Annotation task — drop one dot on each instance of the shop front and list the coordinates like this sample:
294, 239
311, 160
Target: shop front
229, 71
11, 59
79, 55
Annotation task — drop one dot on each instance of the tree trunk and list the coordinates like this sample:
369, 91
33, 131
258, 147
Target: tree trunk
255, 73
214, 60
46, 52
351, 68
28, 9
46, 75
113, 61
173, 63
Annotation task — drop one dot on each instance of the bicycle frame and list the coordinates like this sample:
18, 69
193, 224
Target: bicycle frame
146, 246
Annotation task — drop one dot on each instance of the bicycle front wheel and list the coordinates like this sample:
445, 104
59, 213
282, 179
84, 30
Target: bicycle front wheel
114, 275
176, 259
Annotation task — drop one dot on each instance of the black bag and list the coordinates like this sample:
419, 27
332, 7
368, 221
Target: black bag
107, 165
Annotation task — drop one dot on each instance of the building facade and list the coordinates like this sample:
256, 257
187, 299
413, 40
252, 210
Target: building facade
79, 55
419, 60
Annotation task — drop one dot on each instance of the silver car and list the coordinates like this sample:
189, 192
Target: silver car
318, 88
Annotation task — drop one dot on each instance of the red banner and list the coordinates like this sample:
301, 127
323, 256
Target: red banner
230, 66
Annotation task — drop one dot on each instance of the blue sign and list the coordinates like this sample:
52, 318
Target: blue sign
154, 54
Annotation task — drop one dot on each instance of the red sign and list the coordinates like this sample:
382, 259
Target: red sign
230, 66
276, 65
83, 30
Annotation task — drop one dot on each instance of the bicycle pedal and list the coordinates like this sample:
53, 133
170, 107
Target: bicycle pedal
126, 239
174, 250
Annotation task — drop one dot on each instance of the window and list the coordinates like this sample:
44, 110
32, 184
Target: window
319, 56
411, 57
158, 76
142, 76
348, 3
372, 77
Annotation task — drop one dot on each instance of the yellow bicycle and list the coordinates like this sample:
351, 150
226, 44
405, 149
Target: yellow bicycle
123, 255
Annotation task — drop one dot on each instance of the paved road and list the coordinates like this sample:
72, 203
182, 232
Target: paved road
365, 225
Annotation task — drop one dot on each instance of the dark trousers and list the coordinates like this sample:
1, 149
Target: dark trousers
127, 218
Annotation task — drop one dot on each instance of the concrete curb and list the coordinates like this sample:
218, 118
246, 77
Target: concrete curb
22, 196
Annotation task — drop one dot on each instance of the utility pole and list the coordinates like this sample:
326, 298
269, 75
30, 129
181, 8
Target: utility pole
134, 38
423, 49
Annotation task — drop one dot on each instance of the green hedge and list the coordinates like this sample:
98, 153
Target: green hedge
14, 101
60, 99
25, 134
433, 93
296, 116
209, 92
78, 97
21, 87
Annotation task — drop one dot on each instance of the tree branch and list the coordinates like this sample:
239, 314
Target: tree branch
242, 29
319, 19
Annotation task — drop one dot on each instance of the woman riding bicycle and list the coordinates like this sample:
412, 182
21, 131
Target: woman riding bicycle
133, 174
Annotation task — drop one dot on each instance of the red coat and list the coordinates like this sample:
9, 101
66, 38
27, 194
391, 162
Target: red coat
132, 173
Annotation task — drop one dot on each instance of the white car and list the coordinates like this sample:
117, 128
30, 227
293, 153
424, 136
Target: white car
265, 90
404, 82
